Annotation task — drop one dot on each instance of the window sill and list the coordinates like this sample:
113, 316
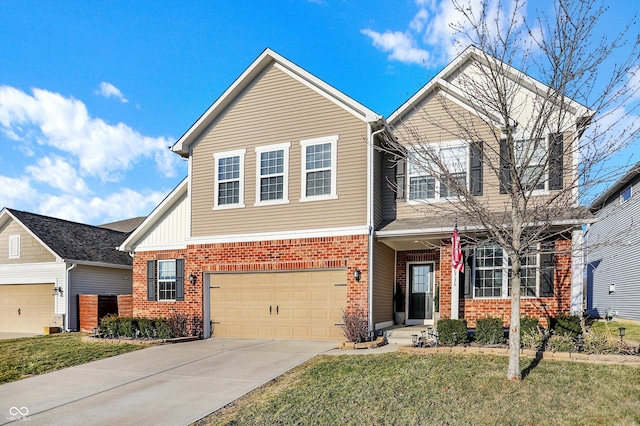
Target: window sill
271, 203
318, 198
229, 207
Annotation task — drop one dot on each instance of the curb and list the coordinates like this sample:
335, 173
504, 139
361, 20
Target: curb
140, 342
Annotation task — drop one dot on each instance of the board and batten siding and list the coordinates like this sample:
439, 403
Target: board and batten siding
276, 109
96, 280
443, 111
168, 230
613, 258
383, 283
31, 250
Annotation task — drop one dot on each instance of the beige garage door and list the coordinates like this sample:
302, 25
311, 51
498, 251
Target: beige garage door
279, 305
25, 308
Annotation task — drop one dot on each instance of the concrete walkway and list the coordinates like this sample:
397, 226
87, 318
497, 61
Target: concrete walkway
161, 385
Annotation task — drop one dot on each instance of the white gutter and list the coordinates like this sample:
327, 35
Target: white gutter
67, 296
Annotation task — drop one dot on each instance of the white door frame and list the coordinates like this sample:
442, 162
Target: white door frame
407, 320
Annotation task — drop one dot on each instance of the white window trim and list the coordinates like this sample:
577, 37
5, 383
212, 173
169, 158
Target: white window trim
241, 153
175, 283
437, 198
630, 189
285, 174
14, 246
333, 140
505, 278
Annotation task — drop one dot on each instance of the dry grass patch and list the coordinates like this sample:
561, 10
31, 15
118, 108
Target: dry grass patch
439, 389
610, 328
30, 356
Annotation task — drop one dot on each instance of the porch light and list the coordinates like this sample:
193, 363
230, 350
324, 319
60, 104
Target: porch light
621, 330
192, 278
57, 291
357, 275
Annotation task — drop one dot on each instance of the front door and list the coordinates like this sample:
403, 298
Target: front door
421, 291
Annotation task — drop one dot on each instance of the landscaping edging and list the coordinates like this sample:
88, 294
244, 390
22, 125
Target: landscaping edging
364, 345
632, 360
141, 342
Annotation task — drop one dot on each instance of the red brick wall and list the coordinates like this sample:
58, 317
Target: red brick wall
280, 255
474, 309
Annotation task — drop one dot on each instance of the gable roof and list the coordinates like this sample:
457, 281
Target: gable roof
632, 175
441, 82
72, 241
265, 59
127, 225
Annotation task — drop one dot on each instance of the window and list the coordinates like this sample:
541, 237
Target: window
533, 156
229, 179
625, 195
272, 185
319, 168
166, 279
424, 186
14, 246
493, 271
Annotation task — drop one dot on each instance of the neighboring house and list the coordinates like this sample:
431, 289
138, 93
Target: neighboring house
127, 225
289, 216
613, 264
45, 263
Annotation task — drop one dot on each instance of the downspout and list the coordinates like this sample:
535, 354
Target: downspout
67, 289
370, 218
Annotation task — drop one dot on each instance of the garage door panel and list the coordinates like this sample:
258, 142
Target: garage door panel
34, 302
305, 305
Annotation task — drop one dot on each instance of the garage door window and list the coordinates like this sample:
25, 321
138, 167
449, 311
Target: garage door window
165, 280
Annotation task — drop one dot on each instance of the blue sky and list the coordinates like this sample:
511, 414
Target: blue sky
92, 93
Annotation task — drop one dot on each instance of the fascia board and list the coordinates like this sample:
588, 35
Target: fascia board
98, 264
4, 220
268, 56
155, 215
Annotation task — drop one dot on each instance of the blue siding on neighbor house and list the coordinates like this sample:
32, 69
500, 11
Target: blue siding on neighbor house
614, 257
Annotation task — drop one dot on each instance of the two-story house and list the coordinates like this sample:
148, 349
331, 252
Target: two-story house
293, 212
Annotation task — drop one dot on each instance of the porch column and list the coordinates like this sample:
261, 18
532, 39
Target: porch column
577, 272
455, 293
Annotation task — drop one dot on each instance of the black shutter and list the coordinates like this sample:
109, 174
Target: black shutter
401, 172
476, 168
505, 168
547, 270
179, 279
555, 161
151, 280
468, 274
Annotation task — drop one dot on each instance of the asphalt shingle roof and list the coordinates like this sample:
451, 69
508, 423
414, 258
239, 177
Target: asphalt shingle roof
76, 241
127, 225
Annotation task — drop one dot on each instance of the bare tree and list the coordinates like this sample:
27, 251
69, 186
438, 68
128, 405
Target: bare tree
540, 143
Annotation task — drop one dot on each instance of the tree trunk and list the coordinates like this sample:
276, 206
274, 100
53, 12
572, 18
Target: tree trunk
514, 324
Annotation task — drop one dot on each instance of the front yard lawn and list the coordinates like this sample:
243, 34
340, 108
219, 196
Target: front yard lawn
21, 358
439, 390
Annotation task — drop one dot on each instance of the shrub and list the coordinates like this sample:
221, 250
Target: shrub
568, 325
489, 331
162, 328
356, 326
561, 343
178, 324
529, 325
109, 326
125, 327
452, 332
534, 339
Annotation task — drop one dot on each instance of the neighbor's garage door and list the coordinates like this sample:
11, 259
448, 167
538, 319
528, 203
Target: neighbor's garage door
25, 308
279, 305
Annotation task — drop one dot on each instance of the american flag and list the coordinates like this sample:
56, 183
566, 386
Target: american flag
456, 252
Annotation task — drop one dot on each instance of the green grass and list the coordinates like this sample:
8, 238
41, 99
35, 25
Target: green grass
21, 358
408, 389
632, 328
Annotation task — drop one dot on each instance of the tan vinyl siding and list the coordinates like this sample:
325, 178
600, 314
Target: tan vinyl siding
446, 113
383, 282
378, 180
31, 251
277, 109
388, 189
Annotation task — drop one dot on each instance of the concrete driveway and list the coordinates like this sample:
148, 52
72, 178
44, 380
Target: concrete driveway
161, 385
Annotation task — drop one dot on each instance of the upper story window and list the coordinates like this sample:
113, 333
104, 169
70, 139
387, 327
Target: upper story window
229, 179
319, 168
625, 195
530, 158
14, 246
423, 185
272, 183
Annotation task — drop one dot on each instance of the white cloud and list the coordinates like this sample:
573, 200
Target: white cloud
58, 174
108, 90
402, 46
126, 203
101, 149
15, 191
